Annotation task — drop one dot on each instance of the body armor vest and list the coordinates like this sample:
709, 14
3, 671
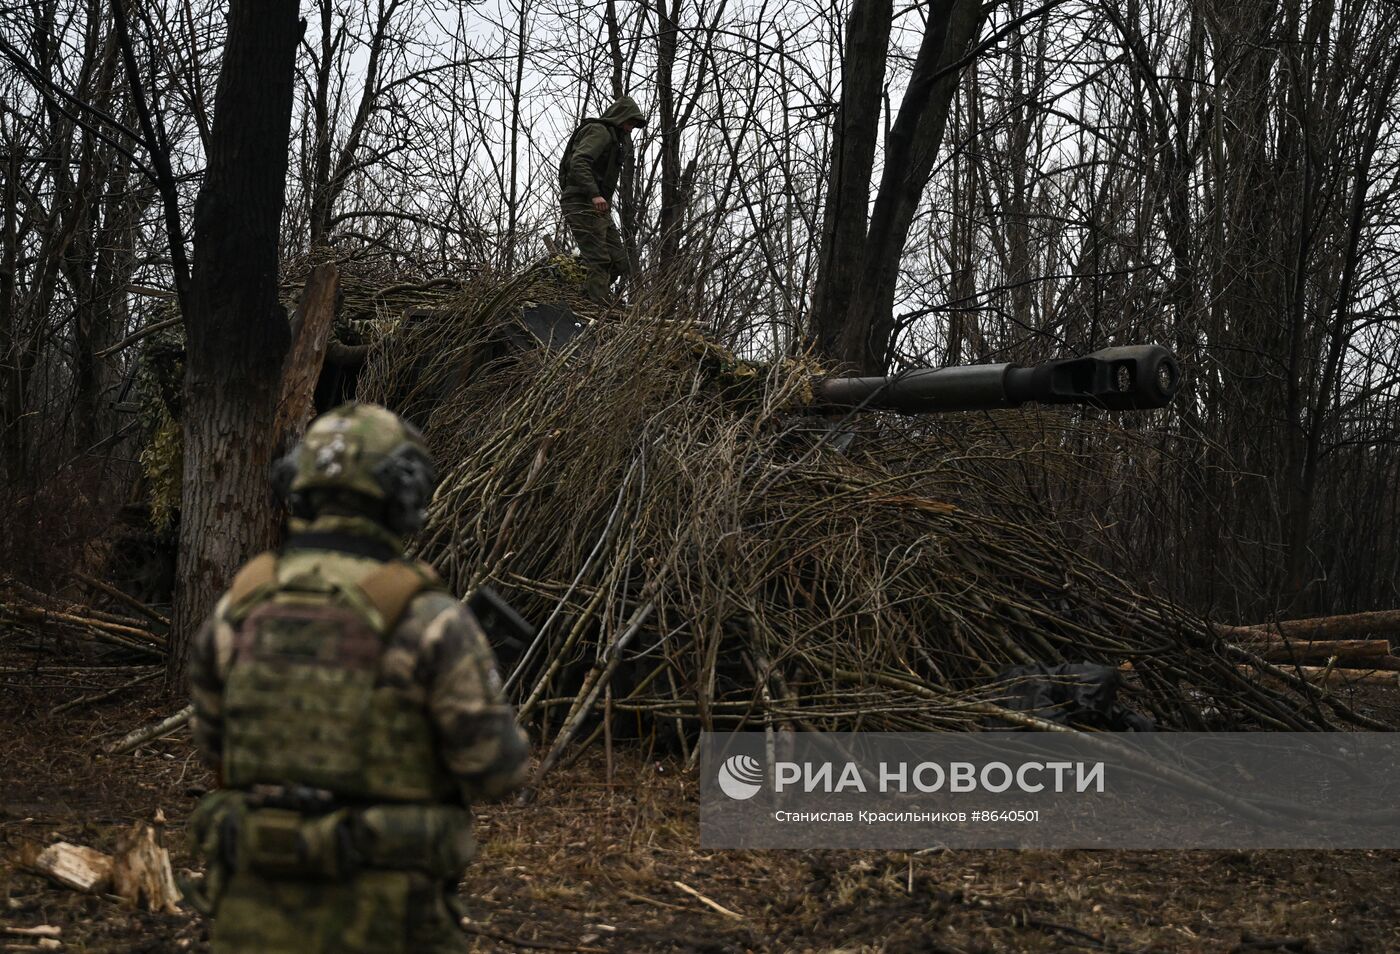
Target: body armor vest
302, 706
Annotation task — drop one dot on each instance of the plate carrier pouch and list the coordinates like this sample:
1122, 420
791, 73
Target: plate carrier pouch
302, 711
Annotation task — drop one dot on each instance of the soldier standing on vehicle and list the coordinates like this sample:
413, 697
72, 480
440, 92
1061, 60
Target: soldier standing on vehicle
353, 711
593, 160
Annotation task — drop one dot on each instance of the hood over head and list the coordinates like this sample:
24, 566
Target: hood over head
624, 109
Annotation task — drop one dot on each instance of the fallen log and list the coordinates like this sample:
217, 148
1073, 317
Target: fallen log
1362, 652
1375, 624
145, 734
102, 696
41, 614
124, 598
1335, 676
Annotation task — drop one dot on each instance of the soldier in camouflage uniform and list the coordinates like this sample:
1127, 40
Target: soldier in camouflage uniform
593, 160
353, 711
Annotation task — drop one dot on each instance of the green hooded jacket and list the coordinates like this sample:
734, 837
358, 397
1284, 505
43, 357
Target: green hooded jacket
596, 153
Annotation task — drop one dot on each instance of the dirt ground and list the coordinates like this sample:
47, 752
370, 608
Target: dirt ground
594, 865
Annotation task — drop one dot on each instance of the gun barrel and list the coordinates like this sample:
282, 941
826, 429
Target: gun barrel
1135, 377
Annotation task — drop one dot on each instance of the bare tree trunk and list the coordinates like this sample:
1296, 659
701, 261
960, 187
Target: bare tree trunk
101, 187
668, 239
513, 200
322, 134
868, 331
158, 148
627, 183
962, 266
331, 176
11, 390
236, 330
94, 329
852, 163
1338, 337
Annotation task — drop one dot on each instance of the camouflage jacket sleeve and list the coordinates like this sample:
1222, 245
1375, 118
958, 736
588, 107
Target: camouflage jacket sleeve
209, 659
590, 145
453, 664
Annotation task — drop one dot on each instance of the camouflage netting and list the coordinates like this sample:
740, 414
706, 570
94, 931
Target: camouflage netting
684, 538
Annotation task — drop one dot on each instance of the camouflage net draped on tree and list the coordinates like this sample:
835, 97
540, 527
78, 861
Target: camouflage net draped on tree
694, 548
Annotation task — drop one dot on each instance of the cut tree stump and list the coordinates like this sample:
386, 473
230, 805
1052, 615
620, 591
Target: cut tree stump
75, 866
141, 873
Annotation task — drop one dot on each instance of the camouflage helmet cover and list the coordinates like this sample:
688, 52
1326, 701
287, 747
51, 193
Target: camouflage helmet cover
364, 449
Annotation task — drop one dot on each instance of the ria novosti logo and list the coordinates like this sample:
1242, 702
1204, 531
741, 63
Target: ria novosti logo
740, 777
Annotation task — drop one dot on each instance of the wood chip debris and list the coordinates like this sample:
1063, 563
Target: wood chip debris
75, 866
40, 930
709, 902
139, 873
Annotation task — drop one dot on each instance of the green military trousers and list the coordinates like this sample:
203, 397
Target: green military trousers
599, 246
373, 912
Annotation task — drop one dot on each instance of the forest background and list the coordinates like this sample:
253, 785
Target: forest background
891, 186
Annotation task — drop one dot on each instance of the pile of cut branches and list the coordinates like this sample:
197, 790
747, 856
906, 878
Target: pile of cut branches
46, 617
89, 636
692, 546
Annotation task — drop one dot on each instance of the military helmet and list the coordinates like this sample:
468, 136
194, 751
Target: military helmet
365, 453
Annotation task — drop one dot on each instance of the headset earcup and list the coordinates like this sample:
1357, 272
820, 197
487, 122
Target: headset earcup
284, 472
407, 478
